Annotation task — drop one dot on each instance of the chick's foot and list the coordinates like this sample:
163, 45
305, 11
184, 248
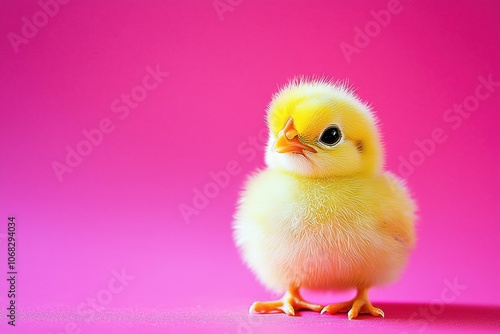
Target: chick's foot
358, 305
290, 303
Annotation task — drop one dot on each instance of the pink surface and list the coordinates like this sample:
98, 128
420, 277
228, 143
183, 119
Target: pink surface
201, 80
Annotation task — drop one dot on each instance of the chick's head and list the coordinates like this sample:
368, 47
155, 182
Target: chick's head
321, 129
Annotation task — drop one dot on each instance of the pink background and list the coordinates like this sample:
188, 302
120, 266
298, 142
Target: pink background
119, 208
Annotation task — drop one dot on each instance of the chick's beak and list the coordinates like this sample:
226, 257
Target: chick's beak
288, 141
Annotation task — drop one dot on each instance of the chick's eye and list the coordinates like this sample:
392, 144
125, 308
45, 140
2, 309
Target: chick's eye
331, 136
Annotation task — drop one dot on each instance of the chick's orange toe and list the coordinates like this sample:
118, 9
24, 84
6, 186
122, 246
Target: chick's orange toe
288, 304
359, 305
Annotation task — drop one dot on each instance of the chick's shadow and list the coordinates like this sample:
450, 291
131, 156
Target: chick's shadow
438, 314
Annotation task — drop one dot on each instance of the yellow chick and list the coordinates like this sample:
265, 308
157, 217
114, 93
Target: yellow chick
323, 215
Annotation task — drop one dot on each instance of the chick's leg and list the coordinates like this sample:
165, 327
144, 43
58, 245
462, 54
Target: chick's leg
359, 304
292, 301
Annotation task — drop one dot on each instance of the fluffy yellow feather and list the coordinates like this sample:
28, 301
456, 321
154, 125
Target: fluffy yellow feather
323, 214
